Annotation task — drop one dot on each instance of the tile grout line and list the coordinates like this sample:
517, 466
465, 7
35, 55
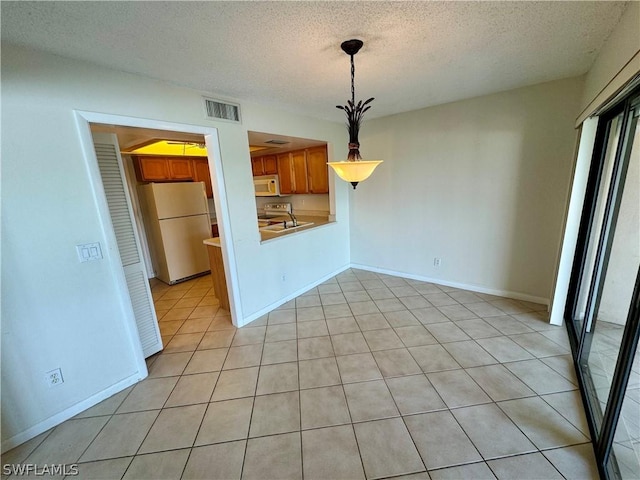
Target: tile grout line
101, 429
299, 397
253, 403
164, 404
346, 401
334, 356
195, 438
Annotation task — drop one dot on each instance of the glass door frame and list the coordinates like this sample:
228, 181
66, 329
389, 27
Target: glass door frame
602, 425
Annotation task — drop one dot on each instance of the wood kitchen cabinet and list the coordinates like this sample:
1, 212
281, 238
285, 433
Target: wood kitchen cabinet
173, 169
152, 169
270, 164
265, 165
163, 169
180, 168
299, 164
201, 174
256, 166
285, 173
303, 171
317, 170
217, 273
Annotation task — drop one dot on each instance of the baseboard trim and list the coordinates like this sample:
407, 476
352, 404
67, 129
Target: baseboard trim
463, 286
68, 413
297, 293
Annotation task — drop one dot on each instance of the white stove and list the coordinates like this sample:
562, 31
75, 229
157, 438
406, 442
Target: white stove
273, 210
277, 209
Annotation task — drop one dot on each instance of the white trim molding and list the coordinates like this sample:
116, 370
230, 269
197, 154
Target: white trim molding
463, 286
70, 412
297, 293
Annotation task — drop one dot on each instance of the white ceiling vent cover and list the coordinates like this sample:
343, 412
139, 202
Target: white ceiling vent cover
219, 110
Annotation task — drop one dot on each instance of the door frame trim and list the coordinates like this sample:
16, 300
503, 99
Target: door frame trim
83, 119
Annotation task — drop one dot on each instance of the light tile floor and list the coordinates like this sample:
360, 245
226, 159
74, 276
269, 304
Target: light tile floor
365, 376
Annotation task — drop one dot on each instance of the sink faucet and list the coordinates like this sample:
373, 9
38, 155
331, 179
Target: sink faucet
294, 220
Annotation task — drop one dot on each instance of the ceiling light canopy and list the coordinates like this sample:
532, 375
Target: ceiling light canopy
354, 169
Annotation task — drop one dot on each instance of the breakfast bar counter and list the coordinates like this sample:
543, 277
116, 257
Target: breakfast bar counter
217, 271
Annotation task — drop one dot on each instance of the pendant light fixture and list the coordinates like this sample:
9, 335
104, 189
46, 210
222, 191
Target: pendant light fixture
354, 169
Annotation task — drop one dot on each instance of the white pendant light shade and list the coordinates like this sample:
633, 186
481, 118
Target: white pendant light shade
354, 171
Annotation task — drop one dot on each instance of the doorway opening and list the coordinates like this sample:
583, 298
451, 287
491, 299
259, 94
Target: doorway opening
177, 164
127, 128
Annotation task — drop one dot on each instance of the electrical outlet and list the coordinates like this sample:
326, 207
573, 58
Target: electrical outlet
437, 261
54, 377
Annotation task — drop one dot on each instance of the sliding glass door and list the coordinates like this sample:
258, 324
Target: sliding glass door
603, 310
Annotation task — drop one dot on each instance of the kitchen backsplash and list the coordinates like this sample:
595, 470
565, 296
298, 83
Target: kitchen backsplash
299, 203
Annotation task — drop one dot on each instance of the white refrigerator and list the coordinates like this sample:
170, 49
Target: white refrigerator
176, 218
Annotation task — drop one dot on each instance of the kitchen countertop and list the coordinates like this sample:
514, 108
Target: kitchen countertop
214, 242
317, 221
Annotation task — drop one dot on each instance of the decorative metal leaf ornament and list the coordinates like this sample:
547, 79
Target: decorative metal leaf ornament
353, 111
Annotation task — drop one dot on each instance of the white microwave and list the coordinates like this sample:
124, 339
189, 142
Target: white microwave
266, 186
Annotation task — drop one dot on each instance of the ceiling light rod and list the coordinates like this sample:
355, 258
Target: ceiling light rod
354, 112
351, 47
354, 169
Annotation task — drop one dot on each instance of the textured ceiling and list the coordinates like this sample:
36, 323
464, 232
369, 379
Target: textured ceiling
287, 54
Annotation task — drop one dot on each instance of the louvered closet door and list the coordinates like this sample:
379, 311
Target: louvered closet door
117, 195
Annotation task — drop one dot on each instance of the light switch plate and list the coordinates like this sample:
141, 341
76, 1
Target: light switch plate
89, 251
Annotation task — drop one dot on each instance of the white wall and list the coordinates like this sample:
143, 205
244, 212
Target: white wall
481, 184
617, 62
57, 312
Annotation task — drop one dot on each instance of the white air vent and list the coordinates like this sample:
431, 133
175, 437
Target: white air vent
215, 109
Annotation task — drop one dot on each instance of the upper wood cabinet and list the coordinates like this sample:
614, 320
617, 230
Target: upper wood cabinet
270, 164
256, 166
299, 164
152, 169
201, 174
173, 169
163, 169
285, 173
180, 168
303, 171
266, 165
317, 170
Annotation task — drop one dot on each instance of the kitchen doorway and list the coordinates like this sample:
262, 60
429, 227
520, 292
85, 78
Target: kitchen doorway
210, 135
177, 163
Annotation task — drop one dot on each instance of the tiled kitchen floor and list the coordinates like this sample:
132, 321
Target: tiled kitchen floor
366, 375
